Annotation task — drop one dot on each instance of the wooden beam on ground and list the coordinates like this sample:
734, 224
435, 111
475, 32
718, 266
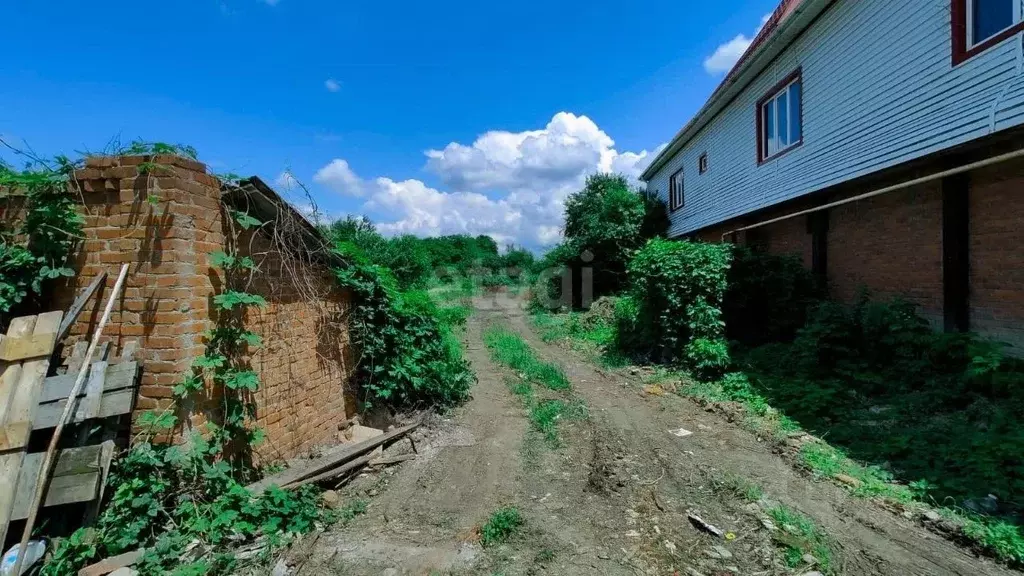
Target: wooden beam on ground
77, 477
20, 387
333, 473
79, 304
329, 461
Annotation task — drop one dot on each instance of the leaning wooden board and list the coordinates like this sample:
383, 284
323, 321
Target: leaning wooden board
20, 387
77, 477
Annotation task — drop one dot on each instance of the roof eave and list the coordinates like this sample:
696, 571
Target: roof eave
750, 66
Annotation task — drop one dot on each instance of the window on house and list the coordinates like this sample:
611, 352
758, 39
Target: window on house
980, 24
780, 118
987, 18
702, 163
676, 195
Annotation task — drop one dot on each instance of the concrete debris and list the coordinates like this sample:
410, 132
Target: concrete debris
681, 433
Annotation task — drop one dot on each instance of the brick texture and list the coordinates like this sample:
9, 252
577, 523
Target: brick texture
890, 245
997, 252
307, 361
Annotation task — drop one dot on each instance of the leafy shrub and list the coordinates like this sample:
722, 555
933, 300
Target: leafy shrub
674, 310
39, 249
165, 497
768, 297
409, 356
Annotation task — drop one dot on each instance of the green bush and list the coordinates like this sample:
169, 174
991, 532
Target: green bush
409, 355
673, 313
768, 297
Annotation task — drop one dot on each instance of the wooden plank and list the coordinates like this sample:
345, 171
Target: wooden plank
11, 372
329, 461
14, 435
89, 406
111, 404
333, 473
23, 400
76, 478
75, 359
118, 376
79, 304
34, 346
128, 351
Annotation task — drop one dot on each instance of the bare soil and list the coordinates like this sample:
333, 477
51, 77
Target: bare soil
613, 500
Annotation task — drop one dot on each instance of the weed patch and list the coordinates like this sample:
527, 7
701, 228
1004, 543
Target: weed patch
799, 536
502, 525
546, 414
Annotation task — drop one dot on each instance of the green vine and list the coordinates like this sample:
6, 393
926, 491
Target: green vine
39, 249
225, 363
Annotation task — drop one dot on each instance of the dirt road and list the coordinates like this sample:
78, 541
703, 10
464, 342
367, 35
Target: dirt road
614, 499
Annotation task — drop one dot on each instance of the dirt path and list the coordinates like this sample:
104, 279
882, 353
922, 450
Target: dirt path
613, 500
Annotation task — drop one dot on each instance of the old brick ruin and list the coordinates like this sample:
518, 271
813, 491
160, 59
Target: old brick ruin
165, 224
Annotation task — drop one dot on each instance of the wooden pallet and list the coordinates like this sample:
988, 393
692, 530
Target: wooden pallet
30, 401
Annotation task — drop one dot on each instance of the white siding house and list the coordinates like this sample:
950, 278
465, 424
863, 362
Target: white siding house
882, 82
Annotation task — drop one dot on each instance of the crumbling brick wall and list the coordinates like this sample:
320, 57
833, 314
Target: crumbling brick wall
165, 224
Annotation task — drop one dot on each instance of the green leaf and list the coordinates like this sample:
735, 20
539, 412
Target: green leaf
231, 299
245, 220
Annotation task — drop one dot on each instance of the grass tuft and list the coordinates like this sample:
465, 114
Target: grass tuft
503, 524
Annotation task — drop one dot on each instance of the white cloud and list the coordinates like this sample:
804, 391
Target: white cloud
509, 185
331, 84
339, 177
727, 55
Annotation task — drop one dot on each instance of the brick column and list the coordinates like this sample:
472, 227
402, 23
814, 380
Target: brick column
163, 224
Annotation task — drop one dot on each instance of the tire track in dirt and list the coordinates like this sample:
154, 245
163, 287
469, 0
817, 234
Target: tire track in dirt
869, 540
423, 520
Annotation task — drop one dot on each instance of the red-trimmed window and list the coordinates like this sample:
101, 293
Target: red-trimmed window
676, 191
980, 24
780, 118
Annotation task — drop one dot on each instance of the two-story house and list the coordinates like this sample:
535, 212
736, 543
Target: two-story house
881, 140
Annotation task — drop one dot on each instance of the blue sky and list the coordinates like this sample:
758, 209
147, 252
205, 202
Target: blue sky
430, 117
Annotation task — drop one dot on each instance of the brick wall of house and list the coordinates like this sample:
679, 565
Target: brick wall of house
890, 245
165, 225
997, 252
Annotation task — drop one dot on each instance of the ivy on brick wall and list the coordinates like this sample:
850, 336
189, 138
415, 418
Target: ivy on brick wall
38, 248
